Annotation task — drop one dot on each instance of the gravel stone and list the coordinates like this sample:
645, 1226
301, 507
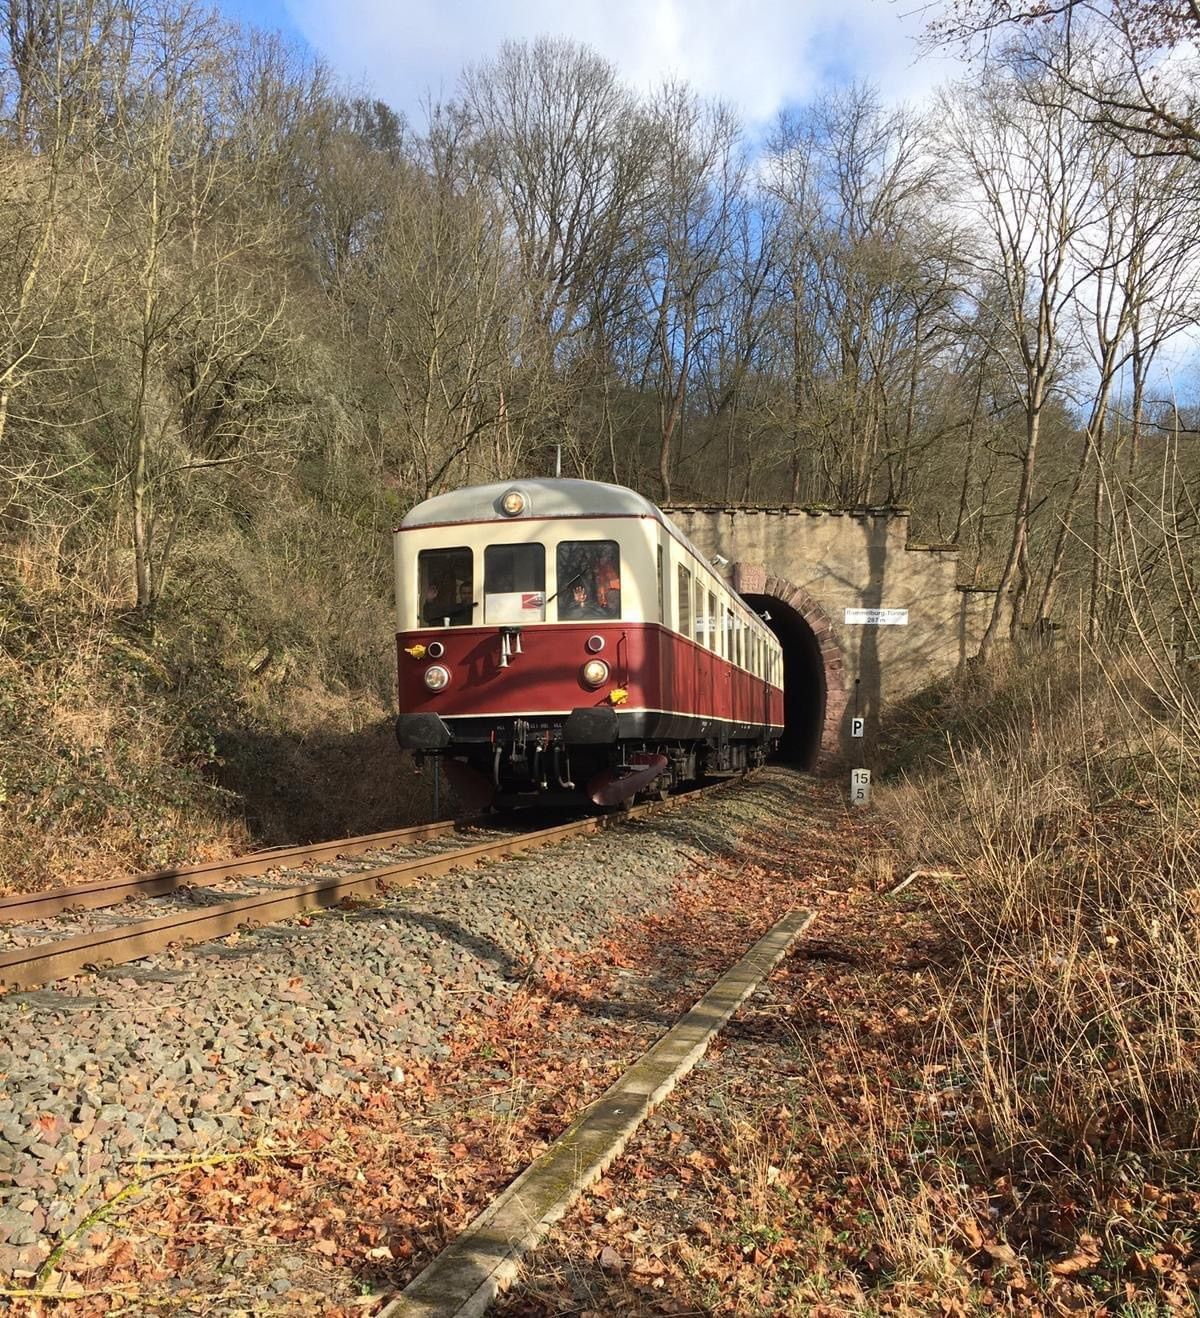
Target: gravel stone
197, 1050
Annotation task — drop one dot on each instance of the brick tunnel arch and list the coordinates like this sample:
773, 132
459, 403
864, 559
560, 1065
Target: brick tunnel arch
814, 666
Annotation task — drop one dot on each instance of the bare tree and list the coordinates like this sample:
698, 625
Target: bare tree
565, 145
872, 278
685, 245
1027, 175
191, 384
438, 292
1140, 290
1111, 58
51, 238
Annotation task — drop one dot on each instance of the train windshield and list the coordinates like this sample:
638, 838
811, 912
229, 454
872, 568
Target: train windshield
589, 579
444, 580
514, 583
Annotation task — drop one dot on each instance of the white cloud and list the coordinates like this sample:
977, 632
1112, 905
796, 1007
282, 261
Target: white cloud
757, 54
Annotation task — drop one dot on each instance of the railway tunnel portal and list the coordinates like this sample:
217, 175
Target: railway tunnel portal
866, 617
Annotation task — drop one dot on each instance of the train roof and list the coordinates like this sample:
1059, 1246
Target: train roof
547, 498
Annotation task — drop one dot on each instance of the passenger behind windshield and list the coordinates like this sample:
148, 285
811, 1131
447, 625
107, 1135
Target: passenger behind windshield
444, 604
445, 586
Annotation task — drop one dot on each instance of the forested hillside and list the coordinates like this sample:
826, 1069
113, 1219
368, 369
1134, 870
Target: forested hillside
248, 316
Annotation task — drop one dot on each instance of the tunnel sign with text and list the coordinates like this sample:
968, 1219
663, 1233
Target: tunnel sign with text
877, 617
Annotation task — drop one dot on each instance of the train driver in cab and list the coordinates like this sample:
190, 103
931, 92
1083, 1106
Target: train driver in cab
580, 604
446, 602
608, 585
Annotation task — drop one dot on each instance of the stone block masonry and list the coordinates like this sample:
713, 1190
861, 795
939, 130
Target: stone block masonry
816, 564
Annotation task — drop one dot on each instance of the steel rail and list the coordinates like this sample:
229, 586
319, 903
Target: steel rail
41, 963
156, 883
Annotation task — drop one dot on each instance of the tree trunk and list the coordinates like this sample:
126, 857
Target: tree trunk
1095, 424
1020, 529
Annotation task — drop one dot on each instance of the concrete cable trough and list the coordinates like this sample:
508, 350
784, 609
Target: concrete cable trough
467, 1276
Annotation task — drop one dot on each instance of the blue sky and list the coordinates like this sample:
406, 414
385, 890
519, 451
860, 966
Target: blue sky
758, 54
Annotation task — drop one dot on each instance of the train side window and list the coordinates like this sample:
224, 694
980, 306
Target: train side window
712, 621
662, 589
685, 600
445, 585
698, 623
514, 583
589, 579
739, 637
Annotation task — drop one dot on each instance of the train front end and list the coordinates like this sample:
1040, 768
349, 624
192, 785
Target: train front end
522, 636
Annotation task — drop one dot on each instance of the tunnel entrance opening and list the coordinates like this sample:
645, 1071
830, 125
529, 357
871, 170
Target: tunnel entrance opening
804, 680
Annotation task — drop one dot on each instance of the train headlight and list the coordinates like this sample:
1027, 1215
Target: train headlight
437, 677
435, 649
594, 644
594, 672
513, 504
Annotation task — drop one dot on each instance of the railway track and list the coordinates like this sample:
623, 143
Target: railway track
90, 896
101, 948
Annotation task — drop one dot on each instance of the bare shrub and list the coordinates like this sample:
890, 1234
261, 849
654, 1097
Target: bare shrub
1067, 800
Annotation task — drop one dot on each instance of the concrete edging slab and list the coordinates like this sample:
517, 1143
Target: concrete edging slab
470, 1272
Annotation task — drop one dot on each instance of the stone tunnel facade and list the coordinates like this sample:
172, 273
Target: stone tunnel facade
834, 571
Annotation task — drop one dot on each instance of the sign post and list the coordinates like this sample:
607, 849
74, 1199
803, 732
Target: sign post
860, 779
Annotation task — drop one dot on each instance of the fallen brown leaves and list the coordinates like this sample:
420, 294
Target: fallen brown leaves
825, 1158
829, 1159
357, 1195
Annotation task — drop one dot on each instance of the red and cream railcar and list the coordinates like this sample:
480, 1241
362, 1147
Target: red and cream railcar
563, 637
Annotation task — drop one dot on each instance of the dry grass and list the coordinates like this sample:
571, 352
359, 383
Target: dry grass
1066, 796
136, 742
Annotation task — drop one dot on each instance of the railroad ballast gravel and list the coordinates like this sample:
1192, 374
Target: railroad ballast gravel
187, 1055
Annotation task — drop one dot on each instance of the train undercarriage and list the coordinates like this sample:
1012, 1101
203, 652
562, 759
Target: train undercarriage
513, 762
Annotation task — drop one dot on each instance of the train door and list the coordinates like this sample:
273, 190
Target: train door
766, 664
725, 684
700, 636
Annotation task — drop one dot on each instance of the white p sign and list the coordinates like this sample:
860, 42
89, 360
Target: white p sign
860, 786
857, 725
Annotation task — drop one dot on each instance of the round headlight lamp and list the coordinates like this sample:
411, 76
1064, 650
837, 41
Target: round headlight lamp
437, 677
594, 644
594, 672
435, 649
513, 504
